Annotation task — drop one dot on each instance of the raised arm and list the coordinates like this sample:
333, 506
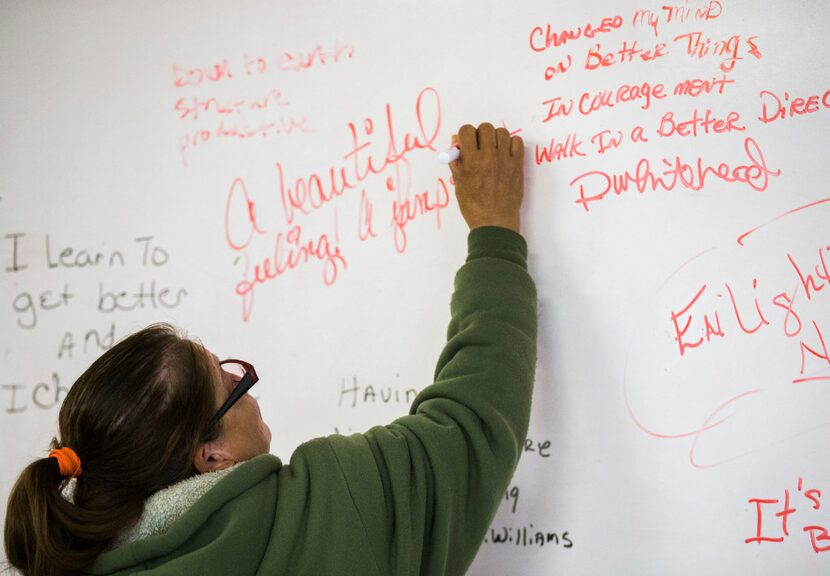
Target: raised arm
427, 486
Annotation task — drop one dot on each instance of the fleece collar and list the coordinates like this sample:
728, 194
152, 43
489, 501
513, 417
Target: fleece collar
166, 506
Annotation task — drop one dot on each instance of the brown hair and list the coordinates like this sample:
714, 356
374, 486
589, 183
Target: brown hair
135, 418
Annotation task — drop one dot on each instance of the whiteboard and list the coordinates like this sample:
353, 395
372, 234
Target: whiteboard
264, 175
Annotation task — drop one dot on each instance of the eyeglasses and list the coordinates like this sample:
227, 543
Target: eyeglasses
244, 375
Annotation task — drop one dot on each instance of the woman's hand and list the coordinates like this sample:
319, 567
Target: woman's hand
489, 176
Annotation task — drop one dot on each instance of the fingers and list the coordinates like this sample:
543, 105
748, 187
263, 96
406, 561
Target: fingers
503, 140
517, 147
467, 138
486, 136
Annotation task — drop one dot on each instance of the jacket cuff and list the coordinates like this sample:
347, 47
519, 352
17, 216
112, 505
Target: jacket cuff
497, 242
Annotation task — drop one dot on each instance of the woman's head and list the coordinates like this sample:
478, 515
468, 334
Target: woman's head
243, 433
138, 418
138, 413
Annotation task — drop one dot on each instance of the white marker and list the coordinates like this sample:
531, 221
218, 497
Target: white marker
449, 155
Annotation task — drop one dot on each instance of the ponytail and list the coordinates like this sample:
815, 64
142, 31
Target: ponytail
41, 535
136, 418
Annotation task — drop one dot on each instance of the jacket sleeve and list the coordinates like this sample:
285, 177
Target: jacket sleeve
427, 486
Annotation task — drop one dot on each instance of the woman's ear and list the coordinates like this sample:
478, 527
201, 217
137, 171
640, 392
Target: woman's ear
213, 456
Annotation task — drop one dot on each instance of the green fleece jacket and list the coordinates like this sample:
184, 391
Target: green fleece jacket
413, 497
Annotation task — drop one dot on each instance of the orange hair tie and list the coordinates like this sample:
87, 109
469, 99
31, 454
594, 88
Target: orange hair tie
68, 461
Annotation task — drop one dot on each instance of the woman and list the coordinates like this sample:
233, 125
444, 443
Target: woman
170, 460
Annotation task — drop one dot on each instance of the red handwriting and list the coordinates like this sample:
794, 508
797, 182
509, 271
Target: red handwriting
694, 87
703, 318
233, 132
596, 58
748, 322
678, 13
559, 68
773, 107
288, 61
780, 512
745, 235
604, 140
365, 226
678, 172
291, 249
699, 123
294, 62
542, 39
368, 156
238, 204
590, 102
192, 107
818, 351
696, 44
712, 421
730, 50
704, 123
382, 153
559, 150
406, 210
183, 77
812, 284
715, 313
646, 18
297, 60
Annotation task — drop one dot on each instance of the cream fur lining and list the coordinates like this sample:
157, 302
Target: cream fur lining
166, 506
